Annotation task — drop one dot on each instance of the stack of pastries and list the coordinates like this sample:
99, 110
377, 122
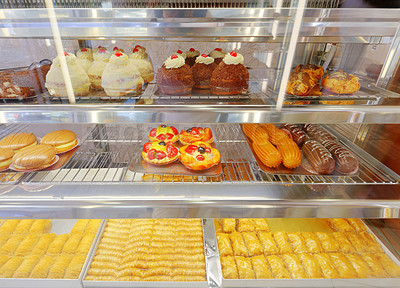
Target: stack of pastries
249, 250
28, 250
150, 250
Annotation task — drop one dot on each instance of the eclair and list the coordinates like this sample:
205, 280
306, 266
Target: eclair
6, 156
61, 140
18, 141
34, 158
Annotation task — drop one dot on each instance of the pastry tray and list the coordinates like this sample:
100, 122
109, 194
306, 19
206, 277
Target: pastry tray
115, 284
214, 268
58, 227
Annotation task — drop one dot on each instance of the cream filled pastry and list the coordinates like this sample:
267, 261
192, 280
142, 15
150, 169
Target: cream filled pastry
218, 54
18, 141
79, 78
116, 49
180, 53
84, 57
142, 51
6, 156
120, 77
61, 140
95, 50
143, 65
96, 70
35, 157
191, 56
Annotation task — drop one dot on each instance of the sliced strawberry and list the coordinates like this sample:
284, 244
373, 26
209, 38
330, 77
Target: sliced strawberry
172, 151
161, 137
152, 154
170, 136
208, 150
147, 147
200, 157
161, 155
195, 131
174, 130
153, 132
191, 148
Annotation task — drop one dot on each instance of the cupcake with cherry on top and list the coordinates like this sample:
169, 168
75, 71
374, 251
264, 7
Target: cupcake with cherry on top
218, 54
174, 76
191, 56
180, 53
164, 133
230, 77
202, 71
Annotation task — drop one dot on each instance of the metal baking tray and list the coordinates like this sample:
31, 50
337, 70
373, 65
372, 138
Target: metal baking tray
115, 284
214, 272
58, 227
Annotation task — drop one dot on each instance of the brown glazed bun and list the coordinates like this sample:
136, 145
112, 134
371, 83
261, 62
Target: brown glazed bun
230, 79
61, 140
6, 155
202, 72
341, 83
300, 84
175, 80
316, 72
18, 141
34, 158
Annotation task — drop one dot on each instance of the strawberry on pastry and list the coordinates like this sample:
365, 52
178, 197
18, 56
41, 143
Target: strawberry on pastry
199, 156
164, 133
195, 134
159, 152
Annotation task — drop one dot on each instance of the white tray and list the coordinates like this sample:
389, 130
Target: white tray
115, 284
58, 227
366, 282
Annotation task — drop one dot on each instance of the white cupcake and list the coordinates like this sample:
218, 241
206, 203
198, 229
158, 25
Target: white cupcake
142, 52
84, 57
143, 65
120, 77
79, 79
97, 68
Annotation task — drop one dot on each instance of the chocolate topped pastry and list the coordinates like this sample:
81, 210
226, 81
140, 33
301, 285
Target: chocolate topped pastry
191, 56
319, 158
346, 162
230, 77
175, 76
341, 83
300, 84
202, 71
316, 72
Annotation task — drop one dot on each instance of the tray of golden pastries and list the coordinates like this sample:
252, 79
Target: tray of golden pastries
148, 253
302, 253
46, 253
299, 150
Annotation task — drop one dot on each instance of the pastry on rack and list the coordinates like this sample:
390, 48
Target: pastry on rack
95, 50
61, 140
180, 53
218, 54
294, 266
6, 155
202, 71
327, 266
275, 134
18, 141
299, 84
267, 153
278, 267
245, 268
116, 49
298, 135
231, 76
84, 57
290, 153
79, 78
140, 61
229, 269
101, 57
260, 267
199, 156
341, 83
142, 52
159, 152
120, 77
191, 56
319, 158
316, 72
174, 76
255, 132
35, 157
164, 133
195, 134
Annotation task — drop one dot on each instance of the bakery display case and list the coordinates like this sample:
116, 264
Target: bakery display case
224, 143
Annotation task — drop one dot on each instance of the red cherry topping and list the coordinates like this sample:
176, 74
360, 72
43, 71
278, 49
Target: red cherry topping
138, 46
174, 56
115, 48
192, 50
179, 52
135, 50
84, 50
218, 49
66, 54
204, 55
233, 53
102, 50
118, 54
99, 47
